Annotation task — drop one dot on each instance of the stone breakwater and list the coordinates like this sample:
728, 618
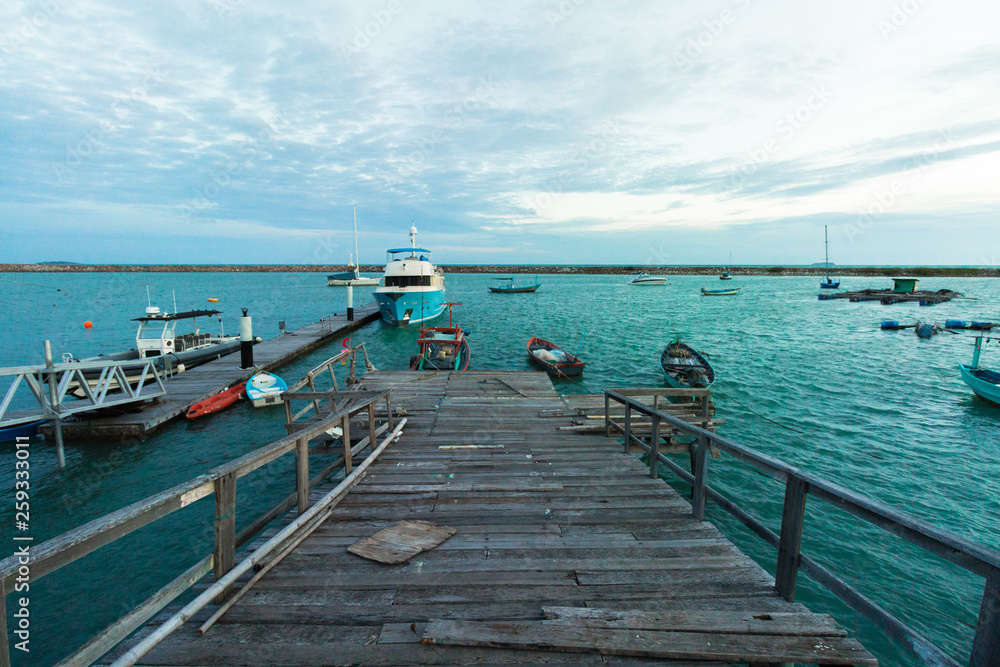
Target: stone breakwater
886, 271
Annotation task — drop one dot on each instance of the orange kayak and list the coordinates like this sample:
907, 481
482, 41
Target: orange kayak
218, 402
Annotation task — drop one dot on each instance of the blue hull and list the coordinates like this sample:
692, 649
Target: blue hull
988, 391
12, 433
403, 308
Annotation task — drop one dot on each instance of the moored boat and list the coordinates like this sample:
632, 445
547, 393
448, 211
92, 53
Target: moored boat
352, 276
984, 382
219, 401
828, 282
513, 289
412, 289
686, 368
442, 348
264, 389
720, 292
727, 275
157, 339
644, 279
12, 433
555, 360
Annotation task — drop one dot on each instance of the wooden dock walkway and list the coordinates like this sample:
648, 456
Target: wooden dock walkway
552, 527
208, 379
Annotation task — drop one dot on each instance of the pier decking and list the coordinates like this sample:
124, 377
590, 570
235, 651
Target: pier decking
209, 379
546, 520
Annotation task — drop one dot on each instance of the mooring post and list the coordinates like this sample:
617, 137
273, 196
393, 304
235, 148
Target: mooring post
654, 448
54, 405
246, 340
986, 645
700, 473
302, 474
350, 303
224, 556
790, 542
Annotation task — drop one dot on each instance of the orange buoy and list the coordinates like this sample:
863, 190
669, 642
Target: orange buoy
213, 300
88, 325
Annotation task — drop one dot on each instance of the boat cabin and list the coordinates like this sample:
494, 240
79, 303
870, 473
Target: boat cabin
157, 335
904, 285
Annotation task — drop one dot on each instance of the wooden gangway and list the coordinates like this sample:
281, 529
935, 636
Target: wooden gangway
563, 543
196, 384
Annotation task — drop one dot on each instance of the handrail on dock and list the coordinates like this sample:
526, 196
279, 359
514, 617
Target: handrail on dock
220, 482
977, 558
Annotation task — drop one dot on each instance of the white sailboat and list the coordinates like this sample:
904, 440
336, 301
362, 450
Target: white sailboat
353, 274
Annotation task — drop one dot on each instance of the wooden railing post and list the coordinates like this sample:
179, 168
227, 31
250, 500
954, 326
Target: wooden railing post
790, 541
346, 436
704, 412
628, 429
371, 427
302, 473
607, 415
654, 448
224, 556
388, 412
700, 472
986, 645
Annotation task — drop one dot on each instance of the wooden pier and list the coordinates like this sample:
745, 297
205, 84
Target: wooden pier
208, 379
566, 550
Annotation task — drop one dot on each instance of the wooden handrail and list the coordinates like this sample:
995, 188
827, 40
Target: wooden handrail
69, 547
972, 556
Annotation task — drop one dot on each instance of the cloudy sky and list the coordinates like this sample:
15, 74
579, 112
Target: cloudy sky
218, 131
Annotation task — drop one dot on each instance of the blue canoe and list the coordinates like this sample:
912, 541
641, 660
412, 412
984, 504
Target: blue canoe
12, 433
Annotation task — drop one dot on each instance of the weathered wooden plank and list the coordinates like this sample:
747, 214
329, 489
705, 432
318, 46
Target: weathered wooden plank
723, 622
535, 635
401, 542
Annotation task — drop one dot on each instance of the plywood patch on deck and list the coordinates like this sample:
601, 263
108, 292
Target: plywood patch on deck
401, 542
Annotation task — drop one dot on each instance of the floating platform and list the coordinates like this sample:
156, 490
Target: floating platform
888, 297
208, 379
564, 548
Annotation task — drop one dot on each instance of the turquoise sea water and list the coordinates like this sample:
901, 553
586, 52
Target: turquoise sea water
881, 413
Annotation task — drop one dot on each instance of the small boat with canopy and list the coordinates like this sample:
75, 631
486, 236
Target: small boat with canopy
984, 382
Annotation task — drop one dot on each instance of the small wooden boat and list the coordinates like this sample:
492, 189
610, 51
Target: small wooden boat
442, 348
686, 368
720, 292
644, 279
984, 382
727, 274
513, 289
220, 401
264, 389
555, 360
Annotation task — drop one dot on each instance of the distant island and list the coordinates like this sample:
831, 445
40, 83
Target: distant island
571, 269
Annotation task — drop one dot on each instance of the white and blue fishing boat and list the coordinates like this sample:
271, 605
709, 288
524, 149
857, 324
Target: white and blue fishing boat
984, 382
412, 288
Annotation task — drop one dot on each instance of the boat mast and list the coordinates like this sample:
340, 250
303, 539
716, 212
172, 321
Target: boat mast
356, 235
826, 235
